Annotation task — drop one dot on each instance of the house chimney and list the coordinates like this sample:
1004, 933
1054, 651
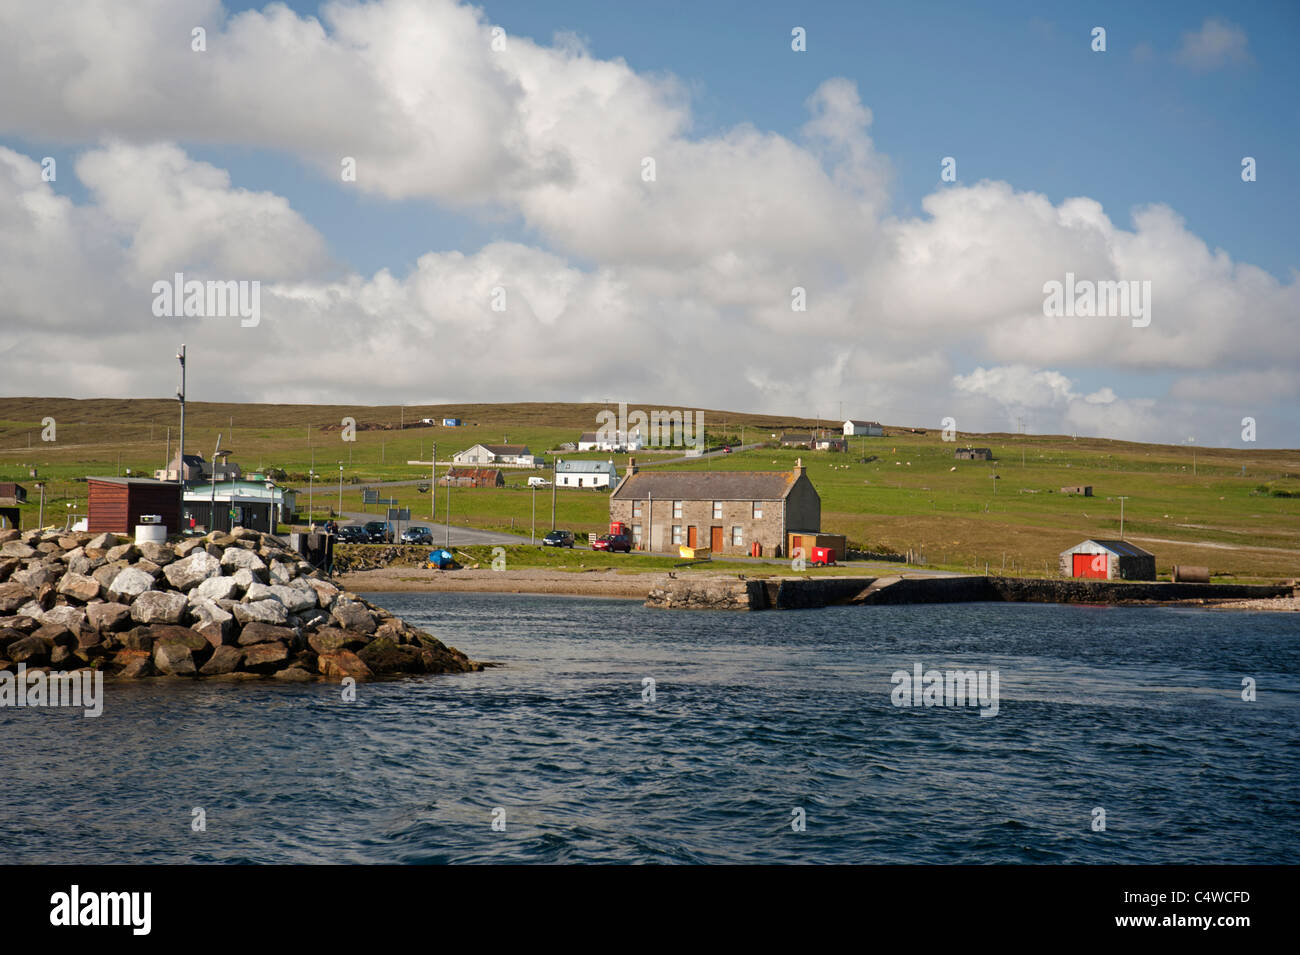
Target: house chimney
798, 468
631, 465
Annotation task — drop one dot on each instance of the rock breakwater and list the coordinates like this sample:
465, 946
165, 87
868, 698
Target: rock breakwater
230, 606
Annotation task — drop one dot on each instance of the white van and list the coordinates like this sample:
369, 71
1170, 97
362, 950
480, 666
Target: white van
538, 482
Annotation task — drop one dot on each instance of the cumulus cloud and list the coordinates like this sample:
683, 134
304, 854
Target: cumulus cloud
683, 294
1216, 44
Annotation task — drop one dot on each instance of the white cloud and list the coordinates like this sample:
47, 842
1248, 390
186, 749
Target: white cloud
1216, 44
684, 294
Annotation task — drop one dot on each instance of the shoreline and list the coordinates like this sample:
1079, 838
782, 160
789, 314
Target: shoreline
614, 584
605, 582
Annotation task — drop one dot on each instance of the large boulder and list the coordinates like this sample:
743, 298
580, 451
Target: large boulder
282, 573
31, 650
106, 574
34, 576
264, 633
159, 552
108, 617
343, 663
70, 618
353, 615
103, 542
131, 582
79, 587
17, 548
214, 588
138, 638
383, 656
158, 606
294, 599
125, 552
191, 639
295, 674
223, 660
332, 640
174, 659
134, 664
265, 657
261, 611
257, 591
237, 558
14, 595
215, 624
244, 578
191, 571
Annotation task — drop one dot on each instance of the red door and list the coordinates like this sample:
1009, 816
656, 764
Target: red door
715, 539
1090, 565
692, 536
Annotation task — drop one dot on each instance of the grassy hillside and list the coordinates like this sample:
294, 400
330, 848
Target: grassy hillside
1234, 514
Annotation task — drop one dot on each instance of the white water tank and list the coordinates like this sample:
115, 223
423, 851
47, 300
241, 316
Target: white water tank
150, 528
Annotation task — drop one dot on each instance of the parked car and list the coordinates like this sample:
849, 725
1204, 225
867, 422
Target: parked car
726, 449
379, 532
417, 535
614, 543
353, 534
558, 539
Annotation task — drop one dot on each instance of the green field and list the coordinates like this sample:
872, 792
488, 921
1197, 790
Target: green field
1239, 513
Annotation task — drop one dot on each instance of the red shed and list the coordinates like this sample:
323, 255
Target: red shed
117, 503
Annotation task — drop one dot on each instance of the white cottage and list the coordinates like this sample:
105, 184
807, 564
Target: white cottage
586, 474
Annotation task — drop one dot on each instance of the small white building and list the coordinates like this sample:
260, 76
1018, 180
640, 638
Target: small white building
619, 442
586, 474
870, 429
502, 455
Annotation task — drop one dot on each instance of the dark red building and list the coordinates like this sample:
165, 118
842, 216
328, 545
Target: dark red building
117, 503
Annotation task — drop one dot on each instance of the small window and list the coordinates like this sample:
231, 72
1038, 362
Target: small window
758, 509
677, 508
636, 508
677, 533
717, 510
737, 537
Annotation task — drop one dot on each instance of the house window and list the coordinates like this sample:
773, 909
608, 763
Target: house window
677, 533
737, 537
677, 508
717, 510
636, 508
636, 535
758, 509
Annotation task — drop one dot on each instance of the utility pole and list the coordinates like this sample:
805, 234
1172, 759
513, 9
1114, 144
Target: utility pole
40, 520
532, 536
433, 482
1121, 517
340, 489
555, 480
180, 447
448, 541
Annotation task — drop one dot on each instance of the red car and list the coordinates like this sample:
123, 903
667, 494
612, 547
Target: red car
613, 543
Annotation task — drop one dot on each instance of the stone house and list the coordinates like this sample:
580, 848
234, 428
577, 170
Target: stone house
726, 511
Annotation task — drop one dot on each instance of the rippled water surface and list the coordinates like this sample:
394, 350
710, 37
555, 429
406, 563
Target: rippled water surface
1134, 710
